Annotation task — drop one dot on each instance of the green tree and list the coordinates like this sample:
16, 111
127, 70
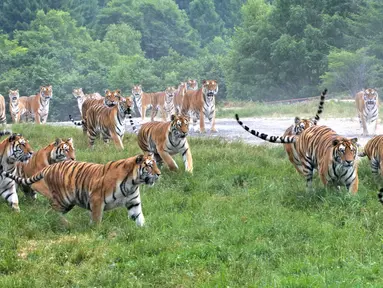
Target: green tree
125, 37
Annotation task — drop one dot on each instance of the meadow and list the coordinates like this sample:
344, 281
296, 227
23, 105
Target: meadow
243, 219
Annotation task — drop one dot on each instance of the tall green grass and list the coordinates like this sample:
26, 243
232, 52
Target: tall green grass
243, 219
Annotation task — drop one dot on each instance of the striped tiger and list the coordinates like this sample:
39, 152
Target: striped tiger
201, 103
57, 151
13, 149
297, 128
320, 148
38, 105
179, 97
16, 108
374, 151
141, 100
95, 187
158, 103
367, 105
3, 118
165, 139
109, 122
111, 98
169, 102
81, 97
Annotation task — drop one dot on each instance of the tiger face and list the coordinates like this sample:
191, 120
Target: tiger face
137, 91
148, 171
112, 97
170, 92
78, 93
20, 149
345, 151
301, 124
14, 95
125, 104
46, 92
209, 89
192, 84
63, 151
179, 126
370, 97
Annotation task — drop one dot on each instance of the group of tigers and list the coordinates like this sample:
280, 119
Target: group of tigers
316, 147
54, 172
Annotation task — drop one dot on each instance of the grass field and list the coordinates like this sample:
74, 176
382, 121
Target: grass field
243, 219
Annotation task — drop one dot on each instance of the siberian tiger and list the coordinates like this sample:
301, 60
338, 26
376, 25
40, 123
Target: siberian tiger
320, 148
81, 97
3, 118
38, 105
297, 128
169, 102
158, 103
16, 108
111, 99
60, 150
13, 149
165, 139
367, 105
95, 187
374, 151
179, 97
201, 103
108, 121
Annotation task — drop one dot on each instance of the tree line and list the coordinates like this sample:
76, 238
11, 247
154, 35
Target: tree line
257, 50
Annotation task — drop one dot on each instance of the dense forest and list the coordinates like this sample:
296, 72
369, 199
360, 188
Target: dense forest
257, 49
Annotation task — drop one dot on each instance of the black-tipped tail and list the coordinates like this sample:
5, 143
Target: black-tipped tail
131, 121
272, 139
380, 195
321, 104
25, 181
5, 132
77, 123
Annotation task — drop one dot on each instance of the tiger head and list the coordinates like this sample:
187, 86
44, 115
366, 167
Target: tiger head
46, 92
209, 89
137, 91
345, 151
370, 97
179, 126
78, 93
192, 84
19, 147
63, 150
14, 95
169, 93
148, 171
125, 105
112, 97
302, 124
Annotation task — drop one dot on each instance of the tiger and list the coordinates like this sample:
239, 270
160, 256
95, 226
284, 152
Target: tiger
192, 84
111, 98
16, 108
165, 139
95, 187
38, 105
108, 121
81, 97
3, 118
201, 103
57, 151
320, 148
158, 103
13, 149
169, 101
374, 151
178, 97
297, 128
141, 100
367, 105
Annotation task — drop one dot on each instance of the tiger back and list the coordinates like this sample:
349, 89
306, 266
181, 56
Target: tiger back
374, 151
201, 103
95, 187
367, 104
38, 105
57, 151
165, 139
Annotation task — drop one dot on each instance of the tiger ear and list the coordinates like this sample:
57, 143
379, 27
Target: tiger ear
335, 142
57, 141
173, 117
12, 137
118, 91
203, 82
354, 140
139, 159
69, 140
296, 120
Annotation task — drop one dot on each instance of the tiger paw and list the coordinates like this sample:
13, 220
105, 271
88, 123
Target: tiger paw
214, 130
15, 207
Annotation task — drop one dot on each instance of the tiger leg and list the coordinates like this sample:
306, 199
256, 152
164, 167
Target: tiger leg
202, 121
154, 113
163, 113
308, 172
353, 187
143, 111
37, 118
168, 160
364, 126
8, 192
92, 135
96, 206
42, 188
211, 118
188, 160
135, 210
117, 141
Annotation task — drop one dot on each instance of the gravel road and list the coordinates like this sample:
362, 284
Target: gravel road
230, 130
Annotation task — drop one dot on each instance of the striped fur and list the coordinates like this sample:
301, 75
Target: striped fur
3, 118
169, 102
57, 151
158, 103
81, 97
200, 103
165, 139
297, 128
38, 105
179, 97
141, 100
16, 108
367, 104
320, 148
374, 151
95, 187
109, 122
13, 149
